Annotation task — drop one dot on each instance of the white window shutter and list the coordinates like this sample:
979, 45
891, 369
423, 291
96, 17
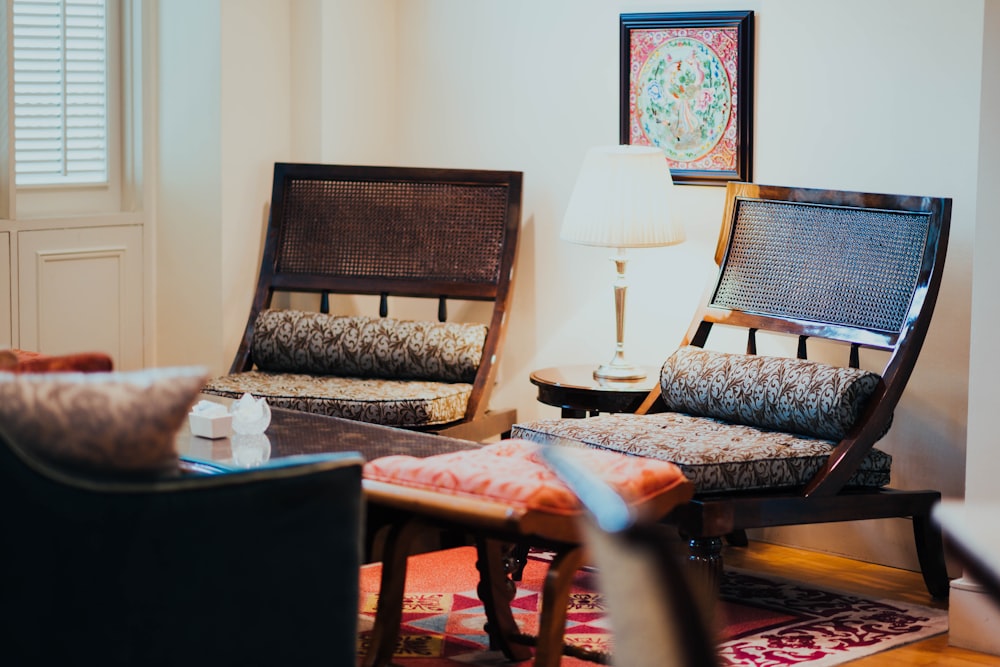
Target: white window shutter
60, 92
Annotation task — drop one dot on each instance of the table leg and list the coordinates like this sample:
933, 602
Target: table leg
555, 603
496, 589
389, 613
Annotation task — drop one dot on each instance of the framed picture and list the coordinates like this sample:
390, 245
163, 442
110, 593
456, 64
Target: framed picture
687, 88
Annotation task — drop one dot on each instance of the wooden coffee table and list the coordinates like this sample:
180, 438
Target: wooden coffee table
295, 433
407, 512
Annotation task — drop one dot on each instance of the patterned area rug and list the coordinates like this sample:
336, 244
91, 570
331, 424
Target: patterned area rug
766, 621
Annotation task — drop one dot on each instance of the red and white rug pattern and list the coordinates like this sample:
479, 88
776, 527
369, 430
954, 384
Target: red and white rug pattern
800, 624
765, 622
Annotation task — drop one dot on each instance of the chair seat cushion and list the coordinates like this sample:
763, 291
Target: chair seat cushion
511, 471
293, 341
387, 402
713, 454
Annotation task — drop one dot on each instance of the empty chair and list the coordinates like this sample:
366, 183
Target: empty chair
434, 234
782, 440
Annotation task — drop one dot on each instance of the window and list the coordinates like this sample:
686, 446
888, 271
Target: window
69, 120
60, 92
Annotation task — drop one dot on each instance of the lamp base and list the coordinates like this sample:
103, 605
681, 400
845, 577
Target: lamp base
618, 371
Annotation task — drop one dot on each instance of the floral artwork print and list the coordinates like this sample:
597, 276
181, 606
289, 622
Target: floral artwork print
683, 93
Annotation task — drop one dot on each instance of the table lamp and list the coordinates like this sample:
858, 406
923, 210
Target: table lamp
622, 199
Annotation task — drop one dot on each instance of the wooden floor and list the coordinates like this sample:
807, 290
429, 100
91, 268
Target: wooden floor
865, 579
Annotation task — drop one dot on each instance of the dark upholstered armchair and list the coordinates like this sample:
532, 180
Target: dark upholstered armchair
247, 568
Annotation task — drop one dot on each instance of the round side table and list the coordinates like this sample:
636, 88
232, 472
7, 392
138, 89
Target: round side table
579, 394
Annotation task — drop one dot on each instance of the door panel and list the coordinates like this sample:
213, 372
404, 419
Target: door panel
81, 290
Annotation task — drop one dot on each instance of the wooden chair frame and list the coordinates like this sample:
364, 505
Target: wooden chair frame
826, 497
316, 243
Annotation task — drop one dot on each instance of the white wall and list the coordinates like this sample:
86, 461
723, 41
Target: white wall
859, 105
984, 456
360, 100
189, 182
256, 100
974, 620
218, 59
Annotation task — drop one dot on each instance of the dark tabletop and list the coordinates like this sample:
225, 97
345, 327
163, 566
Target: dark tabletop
293, 433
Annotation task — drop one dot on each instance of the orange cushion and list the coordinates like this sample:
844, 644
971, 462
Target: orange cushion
511, 472
23, 361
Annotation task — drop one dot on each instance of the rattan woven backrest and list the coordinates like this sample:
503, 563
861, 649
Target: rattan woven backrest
392, 231
848, 266
371, 225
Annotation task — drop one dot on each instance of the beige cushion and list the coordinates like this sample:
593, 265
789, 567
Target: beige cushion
110, 423
388, 402
784, 394
713, 454
292, 341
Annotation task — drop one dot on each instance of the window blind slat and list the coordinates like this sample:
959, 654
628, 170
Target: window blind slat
60, 91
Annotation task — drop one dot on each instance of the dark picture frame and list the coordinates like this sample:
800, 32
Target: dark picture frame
686, 87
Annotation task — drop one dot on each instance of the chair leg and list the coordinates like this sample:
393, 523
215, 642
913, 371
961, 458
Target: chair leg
519, 556
737, 538
496, 590
389, 614
705, 557
930, 554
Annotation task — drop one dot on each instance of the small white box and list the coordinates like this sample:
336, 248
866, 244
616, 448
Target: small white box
211, 427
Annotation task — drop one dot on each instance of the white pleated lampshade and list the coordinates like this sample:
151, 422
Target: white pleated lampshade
622, 199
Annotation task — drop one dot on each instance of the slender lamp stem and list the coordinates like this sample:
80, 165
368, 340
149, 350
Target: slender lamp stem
618, 368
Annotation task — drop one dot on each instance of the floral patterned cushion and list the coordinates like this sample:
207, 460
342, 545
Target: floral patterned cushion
121, 423
713, 454
388, 402
784, 394
292, 341
510, 471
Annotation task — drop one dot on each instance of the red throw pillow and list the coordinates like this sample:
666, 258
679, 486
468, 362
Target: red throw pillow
21, 361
